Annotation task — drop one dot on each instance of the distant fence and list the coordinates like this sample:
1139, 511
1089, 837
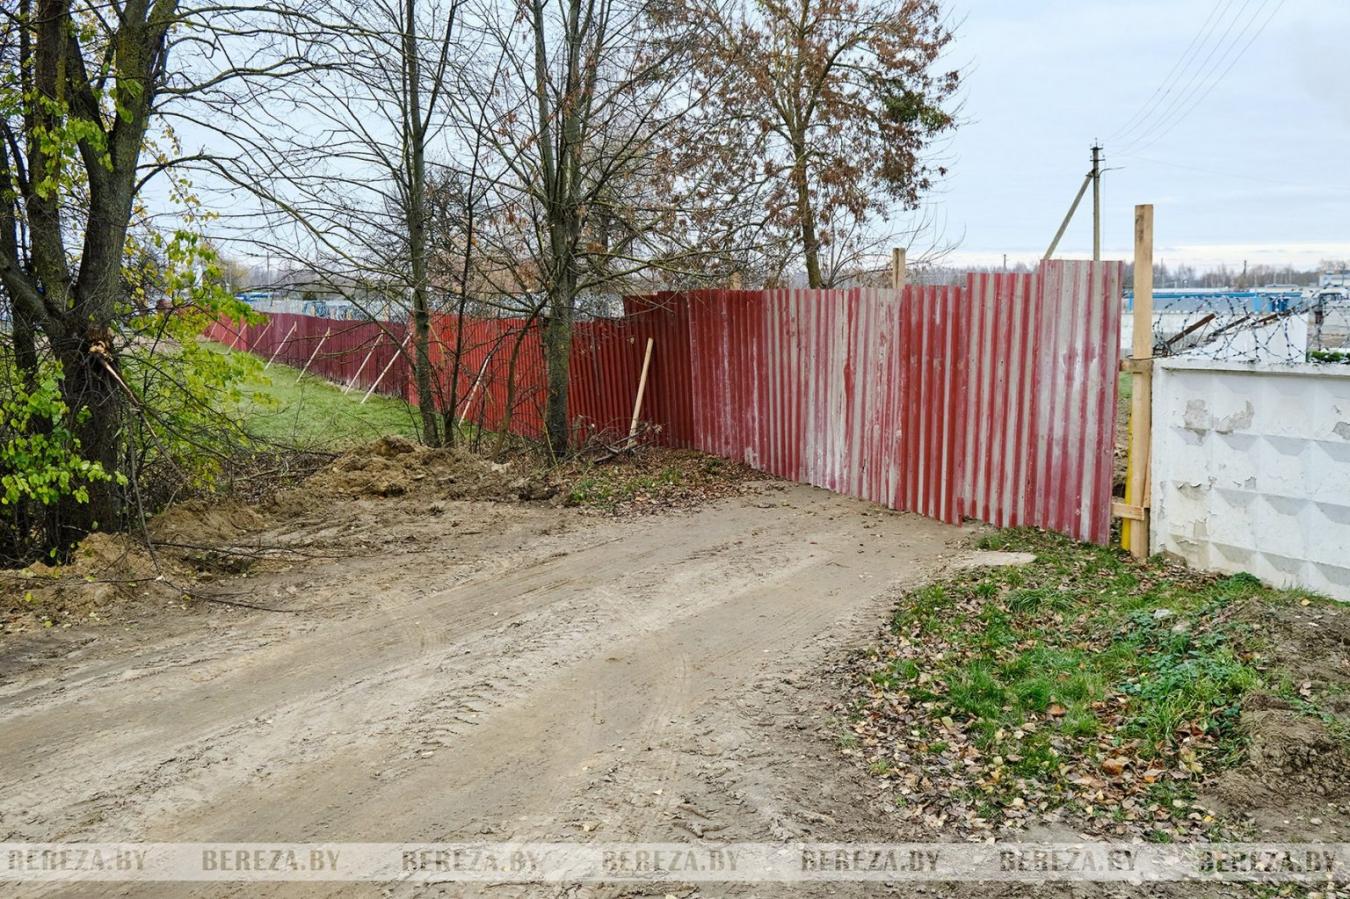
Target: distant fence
337, 348
994, 401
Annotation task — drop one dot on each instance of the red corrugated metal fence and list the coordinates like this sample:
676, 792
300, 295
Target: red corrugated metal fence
993, 401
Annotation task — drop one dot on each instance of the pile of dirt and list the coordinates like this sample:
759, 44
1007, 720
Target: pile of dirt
103, 571
204, 521
396, 467
1294, 782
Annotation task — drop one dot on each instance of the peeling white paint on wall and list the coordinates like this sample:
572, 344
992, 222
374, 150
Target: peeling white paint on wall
1251, 470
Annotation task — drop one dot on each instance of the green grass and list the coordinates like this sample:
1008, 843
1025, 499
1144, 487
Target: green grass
1057, 673
1081, 627
311, 413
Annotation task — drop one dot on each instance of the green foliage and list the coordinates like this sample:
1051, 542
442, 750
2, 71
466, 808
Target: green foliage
40, 459
183, 388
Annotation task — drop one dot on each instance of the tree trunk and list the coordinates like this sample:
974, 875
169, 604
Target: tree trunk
95, 402
414, 147
426, 399
557, 355
806, 216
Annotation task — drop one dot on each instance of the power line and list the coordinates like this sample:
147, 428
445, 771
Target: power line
1203, 71
1183, 112
1183, 62
1319, 188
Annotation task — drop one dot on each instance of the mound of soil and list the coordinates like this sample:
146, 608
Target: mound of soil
204, 521
1294, 783
395, 467
102, 572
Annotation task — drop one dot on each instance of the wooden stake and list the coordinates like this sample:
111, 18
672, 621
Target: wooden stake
261, 335
642, 389
362, 367
1135, 533
473, 391
314, 354
277, 352
392, 360
898, 268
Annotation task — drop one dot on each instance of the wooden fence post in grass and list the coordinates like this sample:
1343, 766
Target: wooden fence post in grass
392, 360
1134, 534
314, 354
642, 388
280, 346
898, 268
362, 367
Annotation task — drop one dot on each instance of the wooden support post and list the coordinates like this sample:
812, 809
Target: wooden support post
898, 268
314, 355
473, 391
642, 389
277, 352
392, 360
238, 335
1135, 531
261, 335
1064, 225
362, 367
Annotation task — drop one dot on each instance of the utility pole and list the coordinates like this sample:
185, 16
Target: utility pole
1094, 178
1096, 202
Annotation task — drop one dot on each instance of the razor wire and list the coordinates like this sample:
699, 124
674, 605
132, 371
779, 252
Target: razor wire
1287, 327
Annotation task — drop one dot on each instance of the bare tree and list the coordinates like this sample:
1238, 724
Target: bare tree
593, 125
841, 97
341, 164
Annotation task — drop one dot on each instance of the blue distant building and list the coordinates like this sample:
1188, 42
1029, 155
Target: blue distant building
1236, 301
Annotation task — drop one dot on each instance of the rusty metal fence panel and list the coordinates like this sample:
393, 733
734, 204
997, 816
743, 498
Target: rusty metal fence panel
993, 401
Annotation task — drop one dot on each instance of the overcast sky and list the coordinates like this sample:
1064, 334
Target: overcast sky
1259, 169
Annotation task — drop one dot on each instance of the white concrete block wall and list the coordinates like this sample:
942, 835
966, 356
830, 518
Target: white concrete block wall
1251, 470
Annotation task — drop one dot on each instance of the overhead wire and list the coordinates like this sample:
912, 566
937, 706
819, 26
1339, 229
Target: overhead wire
1207, 66
1183, 62
1139, 145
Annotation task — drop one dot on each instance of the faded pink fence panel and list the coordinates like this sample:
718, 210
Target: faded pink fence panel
1040, 406
993, 402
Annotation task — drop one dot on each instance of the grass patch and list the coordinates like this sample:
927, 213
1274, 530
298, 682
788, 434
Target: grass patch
281, 407
1085, 682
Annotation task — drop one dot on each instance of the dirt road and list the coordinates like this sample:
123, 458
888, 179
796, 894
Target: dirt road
495, 671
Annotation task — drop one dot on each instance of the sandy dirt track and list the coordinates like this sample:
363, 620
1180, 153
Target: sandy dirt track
495, 671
